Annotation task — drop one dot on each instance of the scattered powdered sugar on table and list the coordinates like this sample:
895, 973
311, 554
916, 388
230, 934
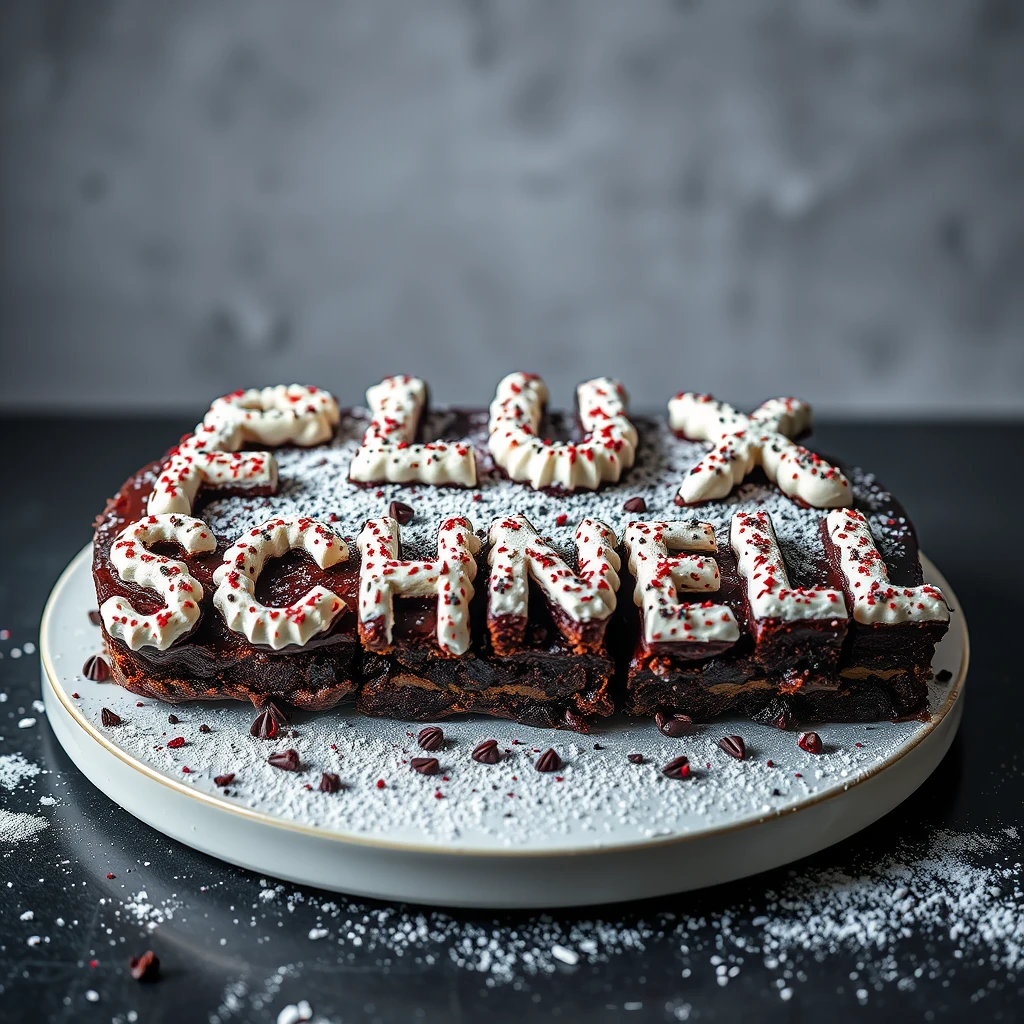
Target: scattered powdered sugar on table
14, 768
16, 827
958, 895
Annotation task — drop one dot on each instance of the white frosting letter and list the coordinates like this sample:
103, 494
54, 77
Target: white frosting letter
607, 450
769, 594
179, 481
874, 598
310, 614
660, 575
743, 442
387, 454
182, 592
383, 576
517, 550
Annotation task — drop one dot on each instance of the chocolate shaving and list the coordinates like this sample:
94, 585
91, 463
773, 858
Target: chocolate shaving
145, 967
95, 618
286, 760
677, 768
635, 758
549, 761
431, 738
734, 746
204, 728
425, 765
670, 724
96, 669
401, 512
486, 752
173, 719
265, 727
107, 717
329, 783
223, 780
634, 505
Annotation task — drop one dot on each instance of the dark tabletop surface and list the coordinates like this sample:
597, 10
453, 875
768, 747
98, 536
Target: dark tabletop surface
229, 955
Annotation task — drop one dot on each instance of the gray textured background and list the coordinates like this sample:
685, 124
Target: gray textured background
821, 198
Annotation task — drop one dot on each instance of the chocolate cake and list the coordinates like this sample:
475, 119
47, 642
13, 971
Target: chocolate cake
515, 562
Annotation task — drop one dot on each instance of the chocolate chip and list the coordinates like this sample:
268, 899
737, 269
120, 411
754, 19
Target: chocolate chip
94, 618
223, 780
576, 722
776, 792
636, 758
173, 719
204, 728
96, 669
677, 768
329, 783
286, 760
265, 727
597, 746
549, 761
635, 505
670, 724
107, 717
734, 746
401, 512
431, 738
425, 765
810, 741
486, 752
178, 741
943, 675
145, 967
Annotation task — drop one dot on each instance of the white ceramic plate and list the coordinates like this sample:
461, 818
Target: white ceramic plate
601, 830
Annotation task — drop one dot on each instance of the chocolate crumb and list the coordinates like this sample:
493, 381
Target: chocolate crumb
107, 717
549, 761
204, 728
425, 765
95, 618
96, 669
329, 783
811, 742
223, 780
636, 758
431, 738
677, 768
286, 760
265, 726
173, 719
734, 746
943, 675
634, 505
400, 512
145, 967
486, 752
670, 724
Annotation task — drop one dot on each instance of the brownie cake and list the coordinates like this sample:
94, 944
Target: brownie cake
516, 562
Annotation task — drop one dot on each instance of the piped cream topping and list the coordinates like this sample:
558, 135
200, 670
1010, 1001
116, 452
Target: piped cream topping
180, 479
517, 553
235, 596
383, 576
743, 442
387, 454
769, 593
181, 592
875, 599
660, 575
607, 450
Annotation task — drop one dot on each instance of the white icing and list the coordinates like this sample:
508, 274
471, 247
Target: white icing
875, 599
660, 575
607, 450
180, 479
304, 618
283, 414
517, 551
182, 593
384, 576
769, 593
743, 442
387, 454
